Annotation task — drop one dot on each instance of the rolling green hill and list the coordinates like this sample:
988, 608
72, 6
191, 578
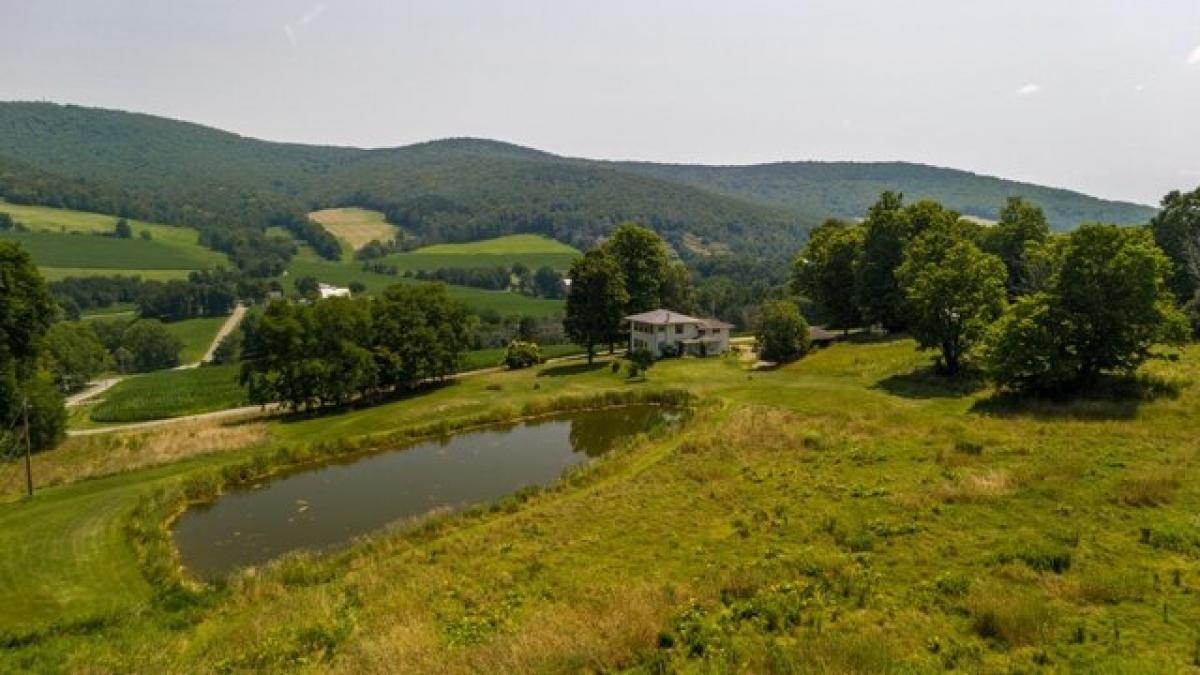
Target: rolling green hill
846, 189
461, 189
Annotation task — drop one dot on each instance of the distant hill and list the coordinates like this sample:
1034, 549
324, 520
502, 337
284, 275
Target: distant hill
846, 189
232, 187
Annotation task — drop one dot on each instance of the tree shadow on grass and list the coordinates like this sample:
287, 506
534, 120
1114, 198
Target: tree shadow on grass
927, 382
572, 369
291, 416
1112, 397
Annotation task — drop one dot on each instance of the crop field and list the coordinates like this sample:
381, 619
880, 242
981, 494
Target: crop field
355, 226
170, 253
846, 513
531, 250
171, 393
60, 273
196, 334
343, 273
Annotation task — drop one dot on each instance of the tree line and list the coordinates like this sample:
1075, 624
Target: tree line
335, 351
1037, 312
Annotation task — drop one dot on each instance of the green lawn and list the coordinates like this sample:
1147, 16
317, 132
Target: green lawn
196, 334
171, 393
306, 263
531, 250
62, 242
847, 513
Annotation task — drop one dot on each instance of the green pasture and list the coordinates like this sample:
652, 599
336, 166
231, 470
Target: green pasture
851, 512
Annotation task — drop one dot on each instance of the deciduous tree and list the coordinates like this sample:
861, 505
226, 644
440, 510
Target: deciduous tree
596, 302
953, 291
782, 332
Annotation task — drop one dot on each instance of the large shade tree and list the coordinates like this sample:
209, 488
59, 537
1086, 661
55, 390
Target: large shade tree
596, 302
1177, 231
953, 291
823, 272
26, 313
1022, 225
1105, 305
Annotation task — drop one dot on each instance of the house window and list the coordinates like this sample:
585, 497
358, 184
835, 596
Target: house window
662, 329
678, 328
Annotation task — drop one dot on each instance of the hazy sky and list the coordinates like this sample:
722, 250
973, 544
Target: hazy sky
1095, 95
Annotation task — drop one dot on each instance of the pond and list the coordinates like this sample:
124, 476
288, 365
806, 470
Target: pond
323, 506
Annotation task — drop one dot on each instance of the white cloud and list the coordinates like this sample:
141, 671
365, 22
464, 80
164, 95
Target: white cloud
308, 17
1194, 58
312, 14
1029, 89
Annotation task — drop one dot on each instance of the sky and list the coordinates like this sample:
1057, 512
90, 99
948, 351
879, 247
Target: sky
1094, 95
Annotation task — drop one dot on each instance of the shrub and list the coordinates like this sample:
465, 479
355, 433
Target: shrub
782, 333
521, 354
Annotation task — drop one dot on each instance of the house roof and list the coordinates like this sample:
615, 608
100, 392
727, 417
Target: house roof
665, 317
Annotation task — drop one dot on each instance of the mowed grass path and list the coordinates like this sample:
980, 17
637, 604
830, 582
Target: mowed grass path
355, 226
64, 242
847, 513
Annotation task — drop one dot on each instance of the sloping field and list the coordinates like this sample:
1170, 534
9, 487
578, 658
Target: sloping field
64, 242
355, 226
531, 250
82, 251
343, 273
849, 513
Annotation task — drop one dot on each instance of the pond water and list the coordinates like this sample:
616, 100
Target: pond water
323, 506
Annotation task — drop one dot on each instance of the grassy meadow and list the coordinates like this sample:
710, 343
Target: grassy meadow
63, 243
532, 250
354, 226
307, 263
846, 513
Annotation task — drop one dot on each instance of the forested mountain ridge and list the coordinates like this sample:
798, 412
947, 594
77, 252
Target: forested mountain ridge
231, 187
846, 189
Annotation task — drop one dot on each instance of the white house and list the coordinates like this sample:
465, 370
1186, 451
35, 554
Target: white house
677, 333
328, 291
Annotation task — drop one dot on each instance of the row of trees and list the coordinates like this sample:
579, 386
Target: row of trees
630, 272
204, 293
334, 351
1042, 312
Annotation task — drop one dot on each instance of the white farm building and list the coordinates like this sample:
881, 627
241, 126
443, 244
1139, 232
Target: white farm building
664, 332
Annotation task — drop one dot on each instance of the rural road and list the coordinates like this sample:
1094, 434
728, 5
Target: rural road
228, 327
258, 411
98, 387
93, 389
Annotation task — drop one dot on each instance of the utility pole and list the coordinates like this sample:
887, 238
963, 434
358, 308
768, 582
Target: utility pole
28, 452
